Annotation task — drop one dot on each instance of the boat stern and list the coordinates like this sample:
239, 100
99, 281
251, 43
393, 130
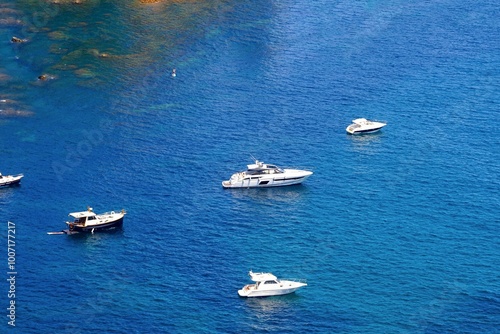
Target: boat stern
247, 290
234, 181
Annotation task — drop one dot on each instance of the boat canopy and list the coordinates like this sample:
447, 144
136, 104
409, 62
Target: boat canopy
257, 165
260, 166
82, 214
260, 277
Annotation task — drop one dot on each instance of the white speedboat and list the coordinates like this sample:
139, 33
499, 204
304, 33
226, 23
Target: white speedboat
362, 125
10, 180
89, 221
261, 175
266, 284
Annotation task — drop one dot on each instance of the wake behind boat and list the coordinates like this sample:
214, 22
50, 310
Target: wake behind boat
266, 284
10, 180
362, 126
261, 175
90, 222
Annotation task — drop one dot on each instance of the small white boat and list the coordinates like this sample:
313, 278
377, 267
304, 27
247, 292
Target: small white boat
261, 175
266, 284
89, 221
362, 126
10, 180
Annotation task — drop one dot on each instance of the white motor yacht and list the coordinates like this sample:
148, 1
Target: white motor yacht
362, 125
261, 175
10, 180
266, 284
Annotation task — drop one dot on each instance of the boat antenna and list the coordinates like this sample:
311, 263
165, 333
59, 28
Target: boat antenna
254, 159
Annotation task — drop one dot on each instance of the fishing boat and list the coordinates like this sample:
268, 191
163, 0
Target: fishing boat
10, 180
90, 222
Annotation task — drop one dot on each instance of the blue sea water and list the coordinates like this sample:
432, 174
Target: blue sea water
396, 232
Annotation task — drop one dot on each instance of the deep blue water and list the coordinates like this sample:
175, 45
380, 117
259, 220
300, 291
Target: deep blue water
396, 232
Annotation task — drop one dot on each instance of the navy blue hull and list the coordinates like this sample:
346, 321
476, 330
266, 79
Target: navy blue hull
98, 228
7, 184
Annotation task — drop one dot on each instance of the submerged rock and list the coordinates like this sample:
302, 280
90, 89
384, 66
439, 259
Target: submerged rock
85, 73
4, 77
57, 49
65, 67
58, 35
93, 52
62, 2
9, 11
10, 21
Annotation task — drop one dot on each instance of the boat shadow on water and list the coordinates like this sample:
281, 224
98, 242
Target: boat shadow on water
362, 142
266, 306
8, 190
119, 231
96, 235
286, 194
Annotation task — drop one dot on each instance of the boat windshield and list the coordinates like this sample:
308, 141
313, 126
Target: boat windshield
275, 170
253, 172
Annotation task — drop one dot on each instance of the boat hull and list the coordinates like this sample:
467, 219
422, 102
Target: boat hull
361, 132
7, 181
265, 293
95, 228
266, 181
362, 126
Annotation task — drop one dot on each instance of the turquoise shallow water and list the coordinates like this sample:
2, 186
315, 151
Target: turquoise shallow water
396, 232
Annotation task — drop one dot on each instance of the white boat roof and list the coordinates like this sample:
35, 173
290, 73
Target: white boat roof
258, 165
81, 214
259, 277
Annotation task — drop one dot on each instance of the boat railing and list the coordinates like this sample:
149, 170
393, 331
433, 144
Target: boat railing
110, 213
297, 280
306, 168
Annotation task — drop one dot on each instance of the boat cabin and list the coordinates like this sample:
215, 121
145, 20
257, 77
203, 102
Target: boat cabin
266, 284
84, 218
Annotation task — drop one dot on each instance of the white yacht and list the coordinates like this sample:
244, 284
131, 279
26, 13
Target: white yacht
261, 175
266, 284
362, 125
10, 180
